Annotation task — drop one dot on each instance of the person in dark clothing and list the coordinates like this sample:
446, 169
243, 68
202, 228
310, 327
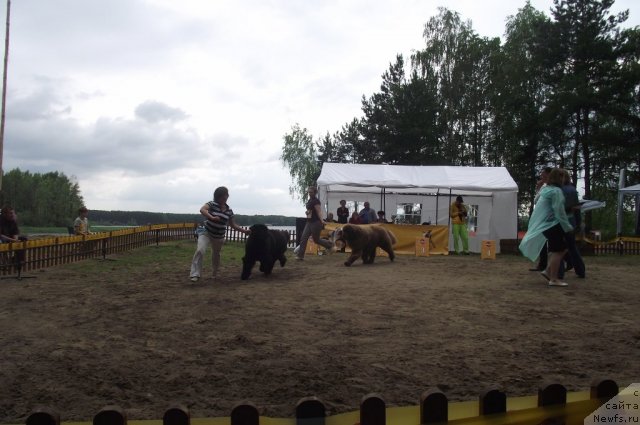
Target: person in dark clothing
343, 212
314, 225
9, 231
572, 258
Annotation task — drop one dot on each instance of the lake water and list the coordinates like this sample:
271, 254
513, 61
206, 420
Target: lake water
288, 228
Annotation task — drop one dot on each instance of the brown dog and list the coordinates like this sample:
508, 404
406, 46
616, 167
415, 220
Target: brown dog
363, 241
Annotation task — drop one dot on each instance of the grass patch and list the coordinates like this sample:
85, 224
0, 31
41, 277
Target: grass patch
157, 259
63, 230
42, 230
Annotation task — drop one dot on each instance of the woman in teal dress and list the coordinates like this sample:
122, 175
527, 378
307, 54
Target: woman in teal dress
548, 223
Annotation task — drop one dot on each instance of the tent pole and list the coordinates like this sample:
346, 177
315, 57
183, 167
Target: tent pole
637, 233
620, 199
449, 211
437, 204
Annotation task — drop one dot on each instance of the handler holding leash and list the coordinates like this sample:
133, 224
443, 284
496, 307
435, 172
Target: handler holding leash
314, 225
218, 215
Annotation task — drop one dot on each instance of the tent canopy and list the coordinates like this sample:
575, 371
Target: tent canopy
423, 194
402, 178
631, 189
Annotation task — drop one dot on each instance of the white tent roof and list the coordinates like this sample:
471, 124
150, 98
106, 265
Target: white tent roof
631, 189
402, 178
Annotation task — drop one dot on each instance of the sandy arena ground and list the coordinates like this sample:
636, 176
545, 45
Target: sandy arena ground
78, 342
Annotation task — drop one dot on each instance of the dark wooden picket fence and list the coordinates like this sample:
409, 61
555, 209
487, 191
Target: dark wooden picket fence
551, 407
622, 245
49, 252
19, 257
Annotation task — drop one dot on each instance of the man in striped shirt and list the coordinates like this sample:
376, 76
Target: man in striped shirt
218, 216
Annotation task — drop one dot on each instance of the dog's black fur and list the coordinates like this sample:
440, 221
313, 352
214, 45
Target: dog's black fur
264, 245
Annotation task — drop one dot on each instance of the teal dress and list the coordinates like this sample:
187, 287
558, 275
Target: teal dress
548, 211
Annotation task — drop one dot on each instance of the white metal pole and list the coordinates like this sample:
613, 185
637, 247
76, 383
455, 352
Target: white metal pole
620, 199
4, 89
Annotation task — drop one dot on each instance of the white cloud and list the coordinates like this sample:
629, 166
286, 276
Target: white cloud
151, 104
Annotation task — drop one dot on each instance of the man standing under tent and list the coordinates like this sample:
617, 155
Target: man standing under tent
343, 212
458, 213
368, 214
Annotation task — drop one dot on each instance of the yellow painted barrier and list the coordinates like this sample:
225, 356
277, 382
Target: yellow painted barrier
422, 247
312, 247
406, 235
488, 250
519, 411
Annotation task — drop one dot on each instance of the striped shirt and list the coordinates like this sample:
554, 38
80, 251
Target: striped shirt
217, 229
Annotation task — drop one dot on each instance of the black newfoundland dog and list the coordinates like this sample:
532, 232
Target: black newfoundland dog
264, 245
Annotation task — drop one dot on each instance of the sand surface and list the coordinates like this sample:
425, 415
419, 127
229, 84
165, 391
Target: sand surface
78, 342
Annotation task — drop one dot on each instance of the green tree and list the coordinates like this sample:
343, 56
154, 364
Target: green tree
519, 95
299, 154
445, 61
49, 199
595, 76
399, 122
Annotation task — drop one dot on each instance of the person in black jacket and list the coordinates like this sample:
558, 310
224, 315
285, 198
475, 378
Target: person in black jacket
9, 231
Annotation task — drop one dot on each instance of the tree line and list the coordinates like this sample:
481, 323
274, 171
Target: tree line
49, 199
53, 199
559, 91
141, 218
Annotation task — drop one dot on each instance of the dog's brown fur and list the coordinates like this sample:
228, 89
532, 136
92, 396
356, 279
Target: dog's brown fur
363, 241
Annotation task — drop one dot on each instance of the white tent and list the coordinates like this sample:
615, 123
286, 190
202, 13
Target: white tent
490, 191
631, 189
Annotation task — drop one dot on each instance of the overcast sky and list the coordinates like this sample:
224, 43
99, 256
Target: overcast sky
151, 104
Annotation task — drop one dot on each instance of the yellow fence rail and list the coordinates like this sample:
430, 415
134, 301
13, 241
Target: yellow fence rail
36, 254
18, 257
553, 405
623, 245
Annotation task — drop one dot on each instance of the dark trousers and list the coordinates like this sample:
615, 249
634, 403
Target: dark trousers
572, 257
542, 260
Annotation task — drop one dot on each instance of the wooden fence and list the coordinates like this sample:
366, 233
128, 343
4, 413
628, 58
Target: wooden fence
552, 405
19, 257
622, 245
49, 252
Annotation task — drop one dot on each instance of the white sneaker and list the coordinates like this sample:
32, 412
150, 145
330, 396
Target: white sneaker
194, 278
557, 283
296, 250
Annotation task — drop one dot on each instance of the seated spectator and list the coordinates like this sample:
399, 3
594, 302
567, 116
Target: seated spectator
81, 223
355, 218
330, 218
381, 217
9, 231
